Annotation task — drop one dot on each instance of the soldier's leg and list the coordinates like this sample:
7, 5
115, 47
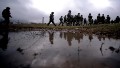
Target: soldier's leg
62, 23
48, 23
7, 21
74, 23
53, 23
59, 23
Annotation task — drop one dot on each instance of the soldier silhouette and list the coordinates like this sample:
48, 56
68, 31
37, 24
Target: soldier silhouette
90, 18
78, 19
95, 21
117, 20
61, 20
112, 21
108, 19
91, 21
81, 19
103, 19
72, 20
51, 18
98, 19
69, 17
75, 20
6, 15
65, 19
85, 21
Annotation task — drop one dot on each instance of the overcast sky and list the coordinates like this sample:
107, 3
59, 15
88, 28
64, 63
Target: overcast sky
34, 10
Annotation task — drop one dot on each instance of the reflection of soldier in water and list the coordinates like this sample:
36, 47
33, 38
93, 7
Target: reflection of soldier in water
61, 34
101, 50
4, 40
6, 15
51, 18
51, 37
90, 37
68, 36
78, 36
99, 38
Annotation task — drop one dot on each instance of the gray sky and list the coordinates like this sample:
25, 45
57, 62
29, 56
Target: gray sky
34, 10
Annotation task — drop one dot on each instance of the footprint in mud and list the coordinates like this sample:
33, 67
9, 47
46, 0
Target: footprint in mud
118, 50
35, 54
20, 50
114, 49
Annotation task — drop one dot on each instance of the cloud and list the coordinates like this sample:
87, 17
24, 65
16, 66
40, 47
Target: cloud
20, 10
23, 10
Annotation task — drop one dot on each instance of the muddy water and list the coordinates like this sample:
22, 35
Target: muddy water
58, 49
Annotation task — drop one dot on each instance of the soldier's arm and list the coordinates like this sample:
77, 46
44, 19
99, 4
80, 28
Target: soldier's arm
10, 16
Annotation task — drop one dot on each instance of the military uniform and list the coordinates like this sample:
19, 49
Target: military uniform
61, 20
51, 18
6, 15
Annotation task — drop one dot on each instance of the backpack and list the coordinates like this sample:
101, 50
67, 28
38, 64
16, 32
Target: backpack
3, 13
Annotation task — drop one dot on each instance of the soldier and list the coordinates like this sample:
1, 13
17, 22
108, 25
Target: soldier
78, 19
81, 19
61, 20
51, 18
112, 21
95, 21
117, 20
98, 18
89, 18
103, 19
85, 21
65, 19
108, 19
91, 21
69, 17
74, 20
6, 15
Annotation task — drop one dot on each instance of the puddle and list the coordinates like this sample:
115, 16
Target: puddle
58, 49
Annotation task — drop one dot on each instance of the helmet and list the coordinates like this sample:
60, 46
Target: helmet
69, 11
7, 7
52, 12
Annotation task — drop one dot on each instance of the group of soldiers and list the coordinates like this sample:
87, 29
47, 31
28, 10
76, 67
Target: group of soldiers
69, 19
77, 20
